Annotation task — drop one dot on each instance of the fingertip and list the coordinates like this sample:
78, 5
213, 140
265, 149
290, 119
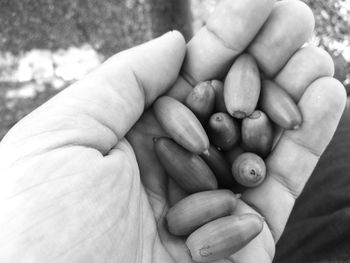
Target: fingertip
178, 36
289, 26
155, 64
339, 87
335, 90
171, 56
176, 41
321, 58
303, 10
335, 86
322, 106
327, 61
173, 42
303, 68
236, 23
228, 31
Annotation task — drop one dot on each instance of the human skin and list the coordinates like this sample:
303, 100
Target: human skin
79, 181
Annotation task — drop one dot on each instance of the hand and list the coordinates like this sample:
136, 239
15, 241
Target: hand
71, 187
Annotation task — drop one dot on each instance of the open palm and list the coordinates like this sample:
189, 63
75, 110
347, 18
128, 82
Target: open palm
79, 181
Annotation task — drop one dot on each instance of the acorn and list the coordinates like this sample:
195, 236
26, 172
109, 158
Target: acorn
223, 237
220, 167
187, 169
232, 154
257, 133
223, 130
201, 101
198, 209
218, 87
279, 106
249, 169
181, 124
242, 87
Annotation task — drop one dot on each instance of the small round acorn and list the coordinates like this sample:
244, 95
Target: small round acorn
249, 169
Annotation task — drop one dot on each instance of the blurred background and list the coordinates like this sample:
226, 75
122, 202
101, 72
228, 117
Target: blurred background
45, 45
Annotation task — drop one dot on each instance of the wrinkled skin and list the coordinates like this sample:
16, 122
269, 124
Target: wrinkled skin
79, 181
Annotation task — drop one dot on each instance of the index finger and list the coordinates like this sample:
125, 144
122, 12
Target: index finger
229, 30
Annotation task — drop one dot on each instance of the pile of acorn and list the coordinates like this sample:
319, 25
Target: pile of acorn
219, 137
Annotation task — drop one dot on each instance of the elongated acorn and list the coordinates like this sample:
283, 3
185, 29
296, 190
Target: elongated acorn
223, 237
218, 87
198, 209
232, 154
257, 133
279, 106
201, 101
175, 192
186, 168
181, 124
221, 168
249, 169
242, 87
223, 130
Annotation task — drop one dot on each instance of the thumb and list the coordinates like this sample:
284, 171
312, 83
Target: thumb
100, 109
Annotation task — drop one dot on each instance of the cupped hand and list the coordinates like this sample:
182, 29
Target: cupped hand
79, 181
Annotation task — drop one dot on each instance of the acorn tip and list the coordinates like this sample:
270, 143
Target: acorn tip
206, 152
296, 127
239, 114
